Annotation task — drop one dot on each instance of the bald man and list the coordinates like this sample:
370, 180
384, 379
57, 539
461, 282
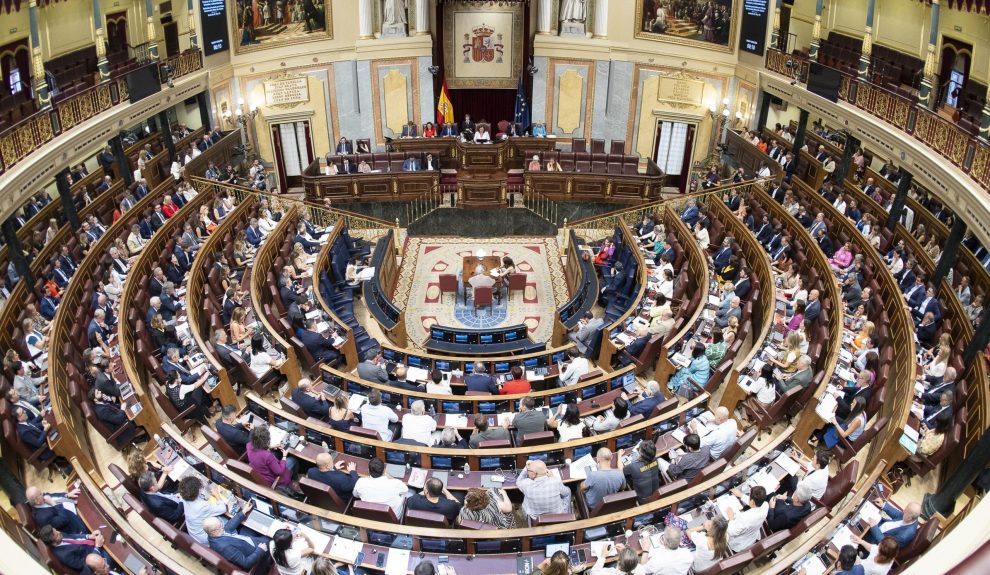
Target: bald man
723, 436
902, 525
340, 476
55, 509
97, 564
542, 491
244, 551
722, 317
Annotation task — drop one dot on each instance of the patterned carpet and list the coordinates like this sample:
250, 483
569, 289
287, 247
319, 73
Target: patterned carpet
426, 258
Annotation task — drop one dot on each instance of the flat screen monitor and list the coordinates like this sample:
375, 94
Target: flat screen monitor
441, 462
380, 538
556, 400
501, 366
391, 354
437, 334
460, 338
451, 407
358, 449
416, 361
397, 457
824, 81
531, 362
589, 392
442, 365
559, 357
213, 19
511, 335
486, 338
487, 407
581, 451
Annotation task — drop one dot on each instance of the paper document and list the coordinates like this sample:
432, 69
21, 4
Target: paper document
789, 465
578, 469
456, 420
602, 549
321, 541
179, 467
356, 401
869, 513
726, 502
315, 314
417, 374
813, 565
765, 480
532, 376
278, 435
826, 407
344, 549
842, 537
397, 562
366, 274
417, 478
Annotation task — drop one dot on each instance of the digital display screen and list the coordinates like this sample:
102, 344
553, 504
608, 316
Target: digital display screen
556, 400
501, 367
389, 354
511, 335
486, 338
451, 407
437, 462
436, 333
442, 365
753, 32
460, 338
213, 18
415, 361
357, 449
398, 457
580, 452
531, 362
588, 392
559, 356
488, 463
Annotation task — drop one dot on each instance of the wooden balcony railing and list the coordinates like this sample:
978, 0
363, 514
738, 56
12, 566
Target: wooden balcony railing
964, 150
21, 139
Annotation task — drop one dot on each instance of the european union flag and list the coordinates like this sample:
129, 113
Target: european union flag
522, 107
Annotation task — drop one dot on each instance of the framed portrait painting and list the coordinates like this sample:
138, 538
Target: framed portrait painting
703, 23
261, 24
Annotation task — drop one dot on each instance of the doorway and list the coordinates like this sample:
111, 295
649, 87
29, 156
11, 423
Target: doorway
957, 58
117, 33
293, 150
672, 151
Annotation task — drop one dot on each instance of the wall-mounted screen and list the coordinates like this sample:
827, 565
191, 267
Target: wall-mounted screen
753, 31
213, 16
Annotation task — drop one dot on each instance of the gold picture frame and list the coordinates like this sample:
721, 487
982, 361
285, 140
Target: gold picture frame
296, 25
688, 31
496, 46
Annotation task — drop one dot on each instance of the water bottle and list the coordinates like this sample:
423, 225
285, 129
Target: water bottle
467, 468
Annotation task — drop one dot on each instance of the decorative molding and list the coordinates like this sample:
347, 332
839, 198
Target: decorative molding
589, 93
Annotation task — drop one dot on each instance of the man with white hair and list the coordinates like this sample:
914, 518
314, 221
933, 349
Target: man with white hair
636, 346
800, 378
720, 438
785, 512
312, 403
55, 509
669, 558
651, 398
543, 492
722, 317
902, 525
243, 551
417, 426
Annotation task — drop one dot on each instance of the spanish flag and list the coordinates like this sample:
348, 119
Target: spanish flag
445, 109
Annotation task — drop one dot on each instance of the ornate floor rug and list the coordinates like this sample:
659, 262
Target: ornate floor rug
426, 258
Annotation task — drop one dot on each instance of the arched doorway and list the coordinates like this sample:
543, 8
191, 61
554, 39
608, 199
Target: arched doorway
957, 59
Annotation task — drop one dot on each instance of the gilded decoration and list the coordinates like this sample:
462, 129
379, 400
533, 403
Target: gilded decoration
710, 25
259, 25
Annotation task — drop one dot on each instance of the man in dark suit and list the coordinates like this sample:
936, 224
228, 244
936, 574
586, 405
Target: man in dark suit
227, 350
104, 185
936, 385
651, 398
68, 262
71, 548
112, 416
184, 255
105, 160
941, 410
347, 167
167, 506
479, 380
286, 292
733, 200
635, 347
321, 348
33, 432
50, 509
244, 551
723, 254
312, 403
742, 283
800, 378
689, 464
786, 512
340, 477
825, 242
141, 190
296, 313
253, 233
467, 125
448, 130
928, 304
302, 237
852, 292
765, 230
411, 164
236, 434
409, 130
344, 147
372, 369
814, 307
231, 301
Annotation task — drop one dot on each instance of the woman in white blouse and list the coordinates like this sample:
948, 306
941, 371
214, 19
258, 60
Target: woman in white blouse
292, 553
567, 421
881, 557
762, 387
936, 367
701, 234
261, 361
711, 545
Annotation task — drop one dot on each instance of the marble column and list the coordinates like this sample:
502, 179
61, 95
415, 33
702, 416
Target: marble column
544, 17
775, 35
927, 93
366, 27
152, 42
816, 31
601, 19
864, 57
37, 66
193, 41
101, 47
422, 17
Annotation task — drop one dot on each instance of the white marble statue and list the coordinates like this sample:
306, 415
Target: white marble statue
573, 11
395, 12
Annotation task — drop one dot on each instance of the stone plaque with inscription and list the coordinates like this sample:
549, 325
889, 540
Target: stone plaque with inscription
681, 90
286, 91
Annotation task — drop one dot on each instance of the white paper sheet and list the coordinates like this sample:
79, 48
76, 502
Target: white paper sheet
321, 541
576, 468
726, 502
790, 466
397, 562
344, 549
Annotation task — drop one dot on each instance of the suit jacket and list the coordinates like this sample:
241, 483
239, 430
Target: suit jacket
347, 168
409, 131
163, 507
689, 464
481, 382
932, 306
253, 236
145, 226
341, 483
645, 406
742, 287
635, 348
903, 534
784, 514
32, 433
170, 307
367, 370
47, 308
236, 550
58, 517
140, 191
410, 165
825, 243
915, 295
237, 436
934, 393
345, 148
812, 310
115, 418
311, 406
318, 346
155, 286
801, 378
184, 258
73, 555
310, 246
721, 257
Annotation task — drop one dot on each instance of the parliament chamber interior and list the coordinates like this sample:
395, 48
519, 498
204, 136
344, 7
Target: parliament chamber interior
494, 287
